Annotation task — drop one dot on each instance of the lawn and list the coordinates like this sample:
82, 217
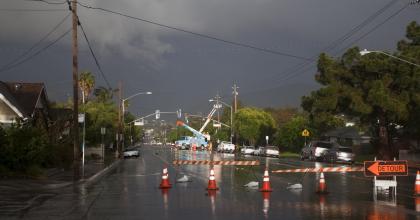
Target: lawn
288, 154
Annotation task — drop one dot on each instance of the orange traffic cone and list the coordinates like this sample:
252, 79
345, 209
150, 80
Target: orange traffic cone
266, 187
417, 186
164, 184
322, 186
212, 181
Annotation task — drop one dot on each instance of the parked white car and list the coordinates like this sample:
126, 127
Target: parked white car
271, 151
247, 150
258, 151
226, 147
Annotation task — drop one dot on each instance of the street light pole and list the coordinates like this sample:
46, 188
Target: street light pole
365, 51
123, 111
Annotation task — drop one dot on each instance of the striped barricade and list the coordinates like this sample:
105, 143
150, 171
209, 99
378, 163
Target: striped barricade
217, 162
321, 169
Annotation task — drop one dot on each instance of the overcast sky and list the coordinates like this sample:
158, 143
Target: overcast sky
184, 70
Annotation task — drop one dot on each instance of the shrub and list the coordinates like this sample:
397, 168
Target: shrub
23, 146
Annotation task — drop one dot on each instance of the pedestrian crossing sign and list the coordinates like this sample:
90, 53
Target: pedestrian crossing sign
305, 133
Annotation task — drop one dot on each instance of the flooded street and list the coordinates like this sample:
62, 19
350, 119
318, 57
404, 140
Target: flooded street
131, 192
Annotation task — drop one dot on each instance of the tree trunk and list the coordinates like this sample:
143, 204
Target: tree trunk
385, 145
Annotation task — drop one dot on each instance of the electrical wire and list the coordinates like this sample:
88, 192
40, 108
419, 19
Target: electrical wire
29, 10
301, 67
37, 53
36, 44
376, 27
291, 71
197, 34
94, 56
48, 2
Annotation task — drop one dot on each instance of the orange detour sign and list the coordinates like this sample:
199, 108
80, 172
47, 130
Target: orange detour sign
386, 168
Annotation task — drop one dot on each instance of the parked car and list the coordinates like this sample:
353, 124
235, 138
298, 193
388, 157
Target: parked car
131, 152
226, 147
247, 150
339, 153
271, 151
315, 150
258, 151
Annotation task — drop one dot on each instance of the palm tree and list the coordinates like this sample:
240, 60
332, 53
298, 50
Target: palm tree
86, 84
103, 94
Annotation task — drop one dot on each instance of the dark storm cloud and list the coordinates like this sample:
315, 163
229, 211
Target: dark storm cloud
183, 70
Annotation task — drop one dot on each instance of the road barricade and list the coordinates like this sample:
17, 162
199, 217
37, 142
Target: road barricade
321, 169
209, 162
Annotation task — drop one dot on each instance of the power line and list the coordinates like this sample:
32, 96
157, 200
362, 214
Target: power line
198, 34
94, 56
291, 71
36, 44
360, 26
29, 10
302, 66
48, 2
37, 53
376, 27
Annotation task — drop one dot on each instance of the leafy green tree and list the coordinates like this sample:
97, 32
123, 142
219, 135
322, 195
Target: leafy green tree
103, 94
410, 50
376, 89
289, 136
132, 134
253, 125
98, 115
282, 115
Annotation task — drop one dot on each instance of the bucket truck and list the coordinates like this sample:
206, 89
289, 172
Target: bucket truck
200, 139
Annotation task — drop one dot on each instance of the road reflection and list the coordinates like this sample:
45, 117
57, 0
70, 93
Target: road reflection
266, 203
212, 195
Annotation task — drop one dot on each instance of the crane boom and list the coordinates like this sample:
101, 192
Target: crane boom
195, 132
208, 119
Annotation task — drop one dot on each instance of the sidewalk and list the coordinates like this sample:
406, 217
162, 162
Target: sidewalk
56, 178
17, 195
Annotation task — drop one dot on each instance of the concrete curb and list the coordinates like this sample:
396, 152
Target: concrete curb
91, 180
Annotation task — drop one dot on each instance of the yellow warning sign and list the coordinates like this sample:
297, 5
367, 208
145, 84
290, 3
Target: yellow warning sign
305, 133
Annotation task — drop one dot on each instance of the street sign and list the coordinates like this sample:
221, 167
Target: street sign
81, 117
157, 114
139, 123
305, 133
103, 130
217, 125
386, 168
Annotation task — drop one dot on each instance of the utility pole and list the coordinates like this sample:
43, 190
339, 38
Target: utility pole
218, 107
235, 93
235, 105
119, 147
76, 147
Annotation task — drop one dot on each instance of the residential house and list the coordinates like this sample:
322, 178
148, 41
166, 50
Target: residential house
27, 102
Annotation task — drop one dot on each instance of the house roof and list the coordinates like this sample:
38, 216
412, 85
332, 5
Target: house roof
23, 96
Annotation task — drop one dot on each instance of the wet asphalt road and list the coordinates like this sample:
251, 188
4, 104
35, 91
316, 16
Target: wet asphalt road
131, 192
